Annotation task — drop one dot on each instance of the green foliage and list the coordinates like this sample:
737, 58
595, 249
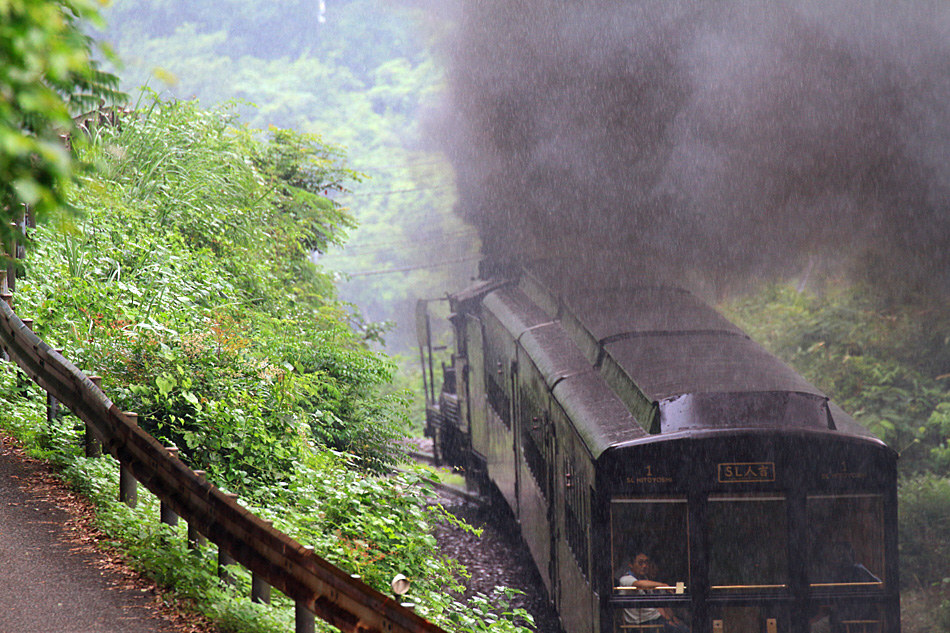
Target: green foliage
279, 28
299, 168
939, 422
186, 287
887, 367
924, 524
46, 75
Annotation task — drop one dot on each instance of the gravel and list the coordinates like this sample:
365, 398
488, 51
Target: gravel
498, 557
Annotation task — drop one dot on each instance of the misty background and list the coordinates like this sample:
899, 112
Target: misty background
361, 74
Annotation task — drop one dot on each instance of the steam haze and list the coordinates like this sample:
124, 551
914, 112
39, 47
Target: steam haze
713, 141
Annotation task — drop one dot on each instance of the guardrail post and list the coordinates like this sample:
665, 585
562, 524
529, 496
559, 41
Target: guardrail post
52, 404
7, 296
260, 589
303, 619
22, 381
195, 538
52, 408
128, 487
11, 261
225, 559
92, 446
168, 516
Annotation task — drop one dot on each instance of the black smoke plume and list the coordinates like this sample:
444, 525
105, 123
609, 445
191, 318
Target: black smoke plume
713, 141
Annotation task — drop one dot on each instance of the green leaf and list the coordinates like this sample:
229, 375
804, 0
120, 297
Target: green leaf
165, 384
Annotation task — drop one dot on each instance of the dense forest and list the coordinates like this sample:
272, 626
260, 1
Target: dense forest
174, 256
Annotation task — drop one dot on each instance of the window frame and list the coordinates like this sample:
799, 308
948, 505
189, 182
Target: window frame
767, 589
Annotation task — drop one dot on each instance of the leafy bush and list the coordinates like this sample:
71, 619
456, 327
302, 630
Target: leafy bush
47, 75
924, 524
187, 286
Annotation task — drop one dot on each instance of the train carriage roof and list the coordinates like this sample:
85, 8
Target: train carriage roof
676, 363
600, 418
664, 366
625, 361
515, 310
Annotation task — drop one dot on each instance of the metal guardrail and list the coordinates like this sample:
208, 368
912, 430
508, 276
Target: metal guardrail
317, 587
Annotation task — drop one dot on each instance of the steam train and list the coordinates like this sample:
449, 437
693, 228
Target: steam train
617, 421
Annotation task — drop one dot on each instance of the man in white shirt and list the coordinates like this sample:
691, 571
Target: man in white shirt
637, 576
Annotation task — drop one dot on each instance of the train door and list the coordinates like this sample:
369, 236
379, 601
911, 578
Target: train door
476, 401
550, 454
500, 380
516, 422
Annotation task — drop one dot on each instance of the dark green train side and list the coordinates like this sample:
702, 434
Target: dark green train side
618, 419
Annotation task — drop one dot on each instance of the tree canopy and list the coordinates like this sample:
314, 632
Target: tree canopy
47, 76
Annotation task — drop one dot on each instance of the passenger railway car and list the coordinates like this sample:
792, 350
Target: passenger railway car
617, 421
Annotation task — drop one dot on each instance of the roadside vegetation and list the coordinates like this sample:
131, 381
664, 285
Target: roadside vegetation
184, 282
889, 366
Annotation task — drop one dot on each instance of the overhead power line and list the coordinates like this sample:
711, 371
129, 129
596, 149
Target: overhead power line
428, 246
387, 192
387, 271
373, 167
426, 237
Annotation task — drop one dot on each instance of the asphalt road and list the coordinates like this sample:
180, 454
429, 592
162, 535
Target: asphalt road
50, 580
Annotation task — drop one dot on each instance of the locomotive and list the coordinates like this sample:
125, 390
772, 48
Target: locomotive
626, 420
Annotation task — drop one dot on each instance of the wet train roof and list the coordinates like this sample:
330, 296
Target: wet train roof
671, 361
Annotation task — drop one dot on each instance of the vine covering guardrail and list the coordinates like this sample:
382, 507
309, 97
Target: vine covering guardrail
317, 587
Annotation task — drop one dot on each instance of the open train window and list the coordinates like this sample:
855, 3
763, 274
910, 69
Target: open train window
748, 542
656, 528
845, 542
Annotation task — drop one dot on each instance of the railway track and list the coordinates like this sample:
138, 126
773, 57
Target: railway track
462, 494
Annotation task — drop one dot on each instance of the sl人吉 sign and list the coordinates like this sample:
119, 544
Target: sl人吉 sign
746, 472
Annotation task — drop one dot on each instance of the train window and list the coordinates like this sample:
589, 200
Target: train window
577, 513
655, 529
748, 546
535, 428
645, 618
498, 399
846, 541
497, 387
856, 617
